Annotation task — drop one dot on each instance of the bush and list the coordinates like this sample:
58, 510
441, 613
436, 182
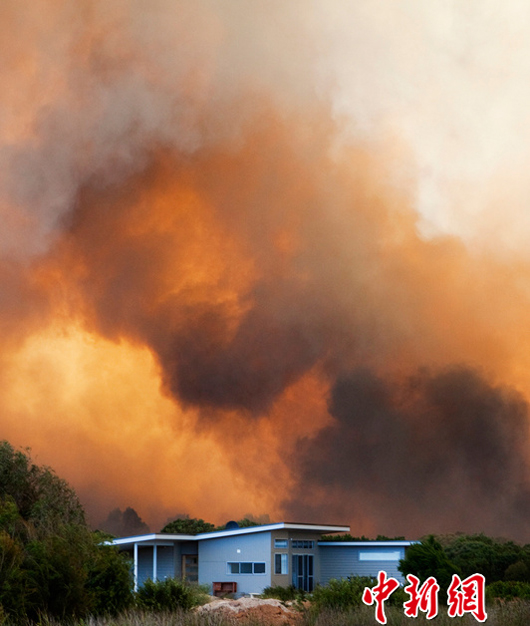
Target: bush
170, 595
109, 580
517, 571
341, 594
285, 594
507, 590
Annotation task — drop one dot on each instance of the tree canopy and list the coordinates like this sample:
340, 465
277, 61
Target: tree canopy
124, 523
426, 559
40, 496
193, 526
188, 526
50, 561
348, 537
498, 560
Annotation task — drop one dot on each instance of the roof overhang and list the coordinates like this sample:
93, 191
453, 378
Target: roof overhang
318, 528
168, 539
160, 539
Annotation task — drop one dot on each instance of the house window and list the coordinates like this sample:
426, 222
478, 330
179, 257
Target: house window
298, 543
245, 568
281, 563
281, 543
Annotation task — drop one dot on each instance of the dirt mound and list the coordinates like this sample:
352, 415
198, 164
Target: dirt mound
267, 611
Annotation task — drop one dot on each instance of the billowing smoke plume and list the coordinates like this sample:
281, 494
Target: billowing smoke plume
436, 450
231, 271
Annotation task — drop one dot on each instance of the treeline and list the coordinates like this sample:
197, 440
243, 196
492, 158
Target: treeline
50, 561
504, 564
348, 537
193, 526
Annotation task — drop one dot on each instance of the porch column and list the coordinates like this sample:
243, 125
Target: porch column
135, 567
155, 564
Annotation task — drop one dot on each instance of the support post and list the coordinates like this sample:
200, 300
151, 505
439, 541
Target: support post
155, 563
135, 567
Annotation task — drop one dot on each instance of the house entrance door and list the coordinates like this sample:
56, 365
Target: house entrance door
303, 572
190, 567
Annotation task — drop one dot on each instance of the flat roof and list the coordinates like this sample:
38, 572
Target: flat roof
279, 526
160, 538
151, 539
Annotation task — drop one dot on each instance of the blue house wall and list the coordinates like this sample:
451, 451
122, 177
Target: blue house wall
165, 561
216, 554
250, 557
343, 559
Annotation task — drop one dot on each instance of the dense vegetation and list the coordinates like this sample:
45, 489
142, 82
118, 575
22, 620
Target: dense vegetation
194, 526
348, 537
504, 564
170, 595
188, 526
54, 569
50, 561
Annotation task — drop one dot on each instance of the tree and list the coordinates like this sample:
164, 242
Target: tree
253, 520
50, 561
124, 524
348, 537
518, 571
428, 558
188, 526
246, 522
40, 496
484, 555
109, 579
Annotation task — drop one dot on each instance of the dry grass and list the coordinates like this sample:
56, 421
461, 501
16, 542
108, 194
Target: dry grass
516, 613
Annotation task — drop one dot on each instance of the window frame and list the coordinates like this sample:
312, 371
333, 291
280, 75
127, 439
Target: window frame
230, 564
303, 544
283, 562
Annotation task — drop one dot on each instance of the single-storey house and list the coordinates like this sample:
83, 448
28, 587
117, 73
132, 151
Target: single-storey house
246, 560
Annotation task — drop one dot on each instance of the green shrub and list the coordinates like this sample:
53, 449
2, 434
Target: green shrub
284, 594
341, 594
109, 580
517, 571
169, 595
507, 590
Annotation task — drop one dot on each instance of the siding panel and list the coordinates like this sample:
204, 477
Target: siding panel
343, 561
165, 562
215, 554
145, 563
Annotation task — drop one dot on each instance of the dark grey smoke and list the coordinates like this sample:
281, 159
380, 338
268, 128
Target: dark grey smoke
440, 452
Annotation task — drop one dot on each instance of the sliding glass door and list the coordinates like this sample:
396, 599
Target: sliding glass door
303, 571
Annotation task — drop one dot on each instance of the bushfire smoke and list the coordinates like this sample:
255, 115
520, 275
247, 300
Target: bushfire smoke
262, 257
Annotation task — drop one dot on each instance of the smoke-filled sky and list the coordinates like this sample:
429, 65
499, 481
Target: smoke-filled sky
270, 257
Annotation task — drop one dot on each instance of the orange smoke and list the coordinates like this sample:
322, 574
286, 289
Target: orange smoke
215, 296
